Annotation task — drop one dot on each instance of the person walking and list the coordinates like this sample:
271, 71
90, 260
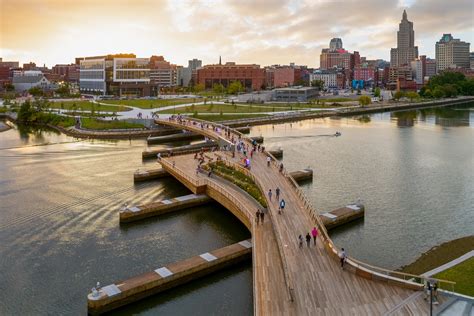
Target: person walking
257, 216
282, 206
277, 192
308, 239
268, 161
270, 194
262, 216
314, 232
342, 257
300, 240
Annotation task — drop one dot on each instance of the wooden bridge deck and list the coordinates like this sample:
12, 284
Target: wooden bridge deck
320, 286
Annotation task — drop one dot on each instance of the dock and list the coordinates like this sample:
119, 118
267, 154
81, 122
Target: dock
134, 213
276, 153
342, 215
163, 278
193, 148
302, 175
145, 175
179, 150
185, 136
151, 174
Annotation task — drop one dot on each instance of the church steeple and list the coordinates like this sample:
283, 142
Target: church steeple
220, 60
404, 15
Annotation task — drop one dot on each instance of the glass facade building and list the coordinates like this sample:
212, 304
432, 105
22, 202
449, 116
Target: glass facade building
92, 76
131, 70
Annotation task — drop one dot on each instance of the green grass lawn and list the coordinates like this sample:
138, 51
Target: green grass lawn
463, 275
87, 106
153, 104
225, 108
226, 117
340, 99
238, 178
90, 123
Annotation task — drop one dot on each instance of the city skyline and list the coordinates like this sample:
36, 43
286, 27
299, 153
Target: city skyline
255, 33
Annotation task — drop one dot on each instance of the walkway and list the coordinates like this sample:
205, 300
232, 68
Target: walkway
289, 280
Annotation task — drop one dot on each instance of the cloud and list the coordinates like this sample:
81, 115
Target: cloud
251, 31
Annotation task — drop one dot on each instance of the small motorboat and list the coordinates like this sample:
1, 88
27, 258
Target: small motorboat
337, 134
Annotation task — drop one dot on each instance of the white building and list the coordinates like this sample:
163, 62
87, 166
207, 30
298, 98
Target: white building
417, 71
329, 78
28, 80
451, 53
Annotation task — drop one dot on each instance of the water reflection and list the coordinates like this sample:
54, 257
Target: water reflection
457, 116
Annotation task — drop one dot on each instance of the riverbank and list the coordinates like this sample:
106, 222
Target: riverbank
298, 116
439, 255
253, 119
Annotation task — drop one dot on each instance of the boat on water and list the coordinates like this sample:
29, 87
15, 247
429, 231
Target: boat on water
337, 134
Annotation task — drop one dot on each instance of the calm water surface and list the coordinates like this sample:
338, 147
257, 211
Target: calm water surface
60, 197
414, 170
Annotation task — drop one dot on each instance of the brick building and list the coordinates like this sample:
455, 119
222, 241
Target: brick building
68, 73
251, 76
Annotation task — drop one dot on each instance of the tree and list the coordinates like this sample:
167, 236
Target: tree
218, 88
450, 90
63, 90
9, 87
318, 84
301, 82
36, 91
377, 92
398, 95
412, 95
364, 100
235, 87
438, 92
467, 87
199, 87
428, 93
25, 112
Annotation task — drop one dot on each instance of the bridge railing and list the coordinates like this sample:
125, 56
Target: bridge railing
288, 279
373, 271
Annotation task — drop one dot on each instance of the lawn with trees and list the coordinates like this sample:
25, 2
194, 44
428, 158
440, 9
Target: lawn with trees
448, 84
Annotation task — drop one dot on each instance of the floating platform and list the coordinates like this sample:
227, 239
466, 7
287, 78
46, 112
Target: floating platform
134, 213
183, 136
151, 174
145, 175
302, 175
277, 153
149, 154
163, 278
179, 150
173, 138
342, 215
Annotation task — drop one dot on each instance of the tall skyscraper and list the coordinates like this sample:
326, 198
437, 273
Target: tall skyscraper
451, 53
336, 43
406, 50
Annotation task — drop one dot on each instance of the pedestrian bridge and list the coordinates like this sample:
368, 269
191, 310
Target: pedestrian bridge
288, 280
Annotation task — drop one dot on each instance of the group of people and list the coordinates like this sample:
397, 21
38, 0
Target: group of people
314, 233
281, 203
259, 216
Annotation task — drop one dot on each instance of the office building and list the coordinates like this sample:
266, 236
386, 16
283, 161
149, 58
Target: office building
187, 75
122, 75
332, 78
251, 76
406, 50
451, 53
335, 44
295, 94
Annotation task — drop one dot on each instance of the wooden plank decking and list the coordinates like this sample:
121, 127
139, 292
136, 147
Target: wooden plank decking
320, 286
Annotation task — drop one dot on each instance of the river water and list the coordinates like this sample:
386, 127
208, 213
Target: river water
60, 197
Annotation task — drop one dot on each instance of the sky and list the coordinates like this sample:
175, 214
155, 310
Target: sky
264, 32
